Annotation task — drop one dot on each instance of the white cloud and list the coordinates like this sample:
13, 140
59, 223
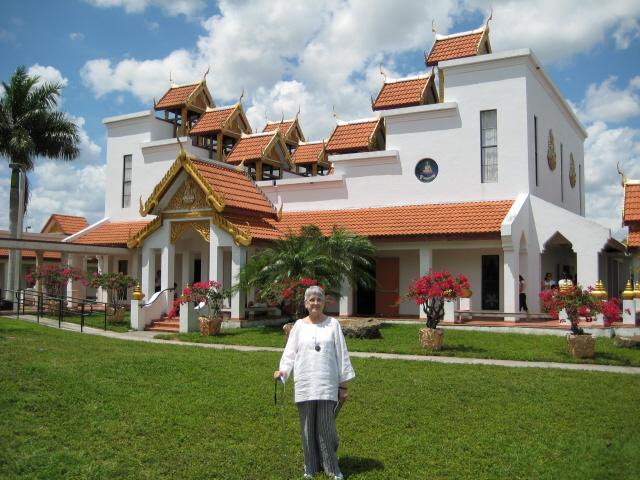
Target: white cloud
604, 148
607, 103
76, 36
171, 8
47, 74
627, 31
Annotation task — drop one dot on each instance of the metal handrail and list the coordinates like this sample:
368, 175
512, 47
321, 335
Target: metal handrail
59, 304
156, 295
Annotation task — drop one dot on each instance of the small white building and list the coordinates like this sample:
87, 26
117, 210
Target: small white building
476, 167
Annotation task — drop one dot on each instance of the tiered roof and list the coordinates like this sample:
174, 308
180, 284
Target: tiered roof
631, 212
460, 45
112, 234
289, 129
308, 153
257, 147
217, 120
464, 220
356, 136
406, 92
64, 224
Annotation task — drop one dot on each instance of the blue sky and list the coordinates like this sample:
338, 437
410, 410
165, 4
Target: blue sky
115, 56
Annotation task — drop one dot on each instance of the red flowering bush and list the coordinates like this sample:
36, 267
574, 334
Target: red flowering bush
54, 277
208, 293
292, 291
432, 290
579, 304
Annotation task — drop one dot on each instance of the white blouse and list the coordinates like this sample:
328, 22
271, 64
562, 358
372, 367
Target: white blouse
317, 373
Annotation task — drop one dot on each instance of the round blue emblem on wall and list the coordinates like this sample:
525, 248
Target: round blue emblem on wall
426, 170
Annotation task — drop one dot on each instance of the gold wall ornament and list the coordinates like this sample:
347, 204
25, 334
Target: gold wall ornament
636, 290
628, 293
551, 151
239, 237
572, 171
203, 227
189, 196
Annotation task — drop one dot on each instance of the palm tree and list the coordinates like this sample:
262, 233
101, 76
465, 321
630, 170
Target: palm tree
341, 257
31, 127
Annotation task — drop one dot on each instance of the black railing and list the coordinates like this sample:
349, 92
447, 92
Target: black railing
58, 306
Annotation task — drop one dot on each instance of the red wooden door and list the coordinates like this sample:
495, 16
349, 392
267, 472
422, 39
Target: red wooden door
388, 277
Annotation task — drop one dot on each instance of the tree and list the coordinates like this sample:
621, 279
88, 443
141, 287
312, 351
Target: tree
31, 127
341, 257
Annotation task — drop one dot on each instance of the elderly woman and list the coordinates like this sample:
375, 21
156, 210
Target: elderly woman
317, 351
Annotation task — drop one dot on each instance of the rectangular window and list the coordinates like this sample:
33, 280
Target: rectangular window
561, 173
489, 139
535, 145
126, 182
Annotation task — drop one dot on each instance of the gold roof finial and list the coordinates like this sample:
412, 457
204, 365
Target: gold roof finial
372, 101
486, 25
242, 95
382, 72
334, 112
433, 28
206, 73
240, 166
282, 119
298, 111
171, 79
624, 177
266, 115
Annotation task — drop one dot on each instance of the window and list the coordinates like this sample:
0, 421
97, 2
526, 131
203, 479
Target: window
126, 182
561, 173
489, 139
535, 145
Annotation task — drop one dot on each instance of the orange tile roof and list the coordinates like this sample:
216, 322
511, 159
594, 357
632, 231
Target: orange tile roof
260, 229
67, 224
633, 240
249, 149
112, 234
631, 208
28, 254
273, 126
176, 97
464, 219
307, 153
449, 48
212, 121
238, 190
401, 93
352, 137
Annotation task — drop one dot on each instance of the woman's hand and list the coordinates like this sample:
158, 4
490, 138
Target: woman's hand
343, 394
280, 373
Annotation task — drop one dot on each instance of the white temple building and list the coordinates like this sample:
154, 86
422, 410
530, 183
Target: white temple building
476, 166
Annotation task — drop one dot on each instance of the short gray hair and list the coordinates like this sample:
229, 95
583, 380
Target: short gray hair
315, 290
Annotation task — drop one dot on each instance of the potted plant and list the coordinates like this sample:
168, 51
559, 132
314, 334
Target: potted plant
207, 294
579, 304
115, 284
431, 291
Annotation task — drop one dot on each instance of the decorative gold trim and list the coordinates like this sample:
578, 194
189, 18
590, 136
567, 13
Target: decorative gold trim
185, 215
183, 161
203, 227
137, 239
239, 237
551, 151
279, 216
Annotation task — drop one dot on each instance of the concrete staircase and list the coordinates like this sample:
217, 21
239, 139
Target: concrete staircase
164, 325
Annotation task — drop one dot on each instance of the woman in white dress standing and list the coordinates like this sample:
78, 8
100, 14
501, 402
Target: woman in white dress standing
317, 352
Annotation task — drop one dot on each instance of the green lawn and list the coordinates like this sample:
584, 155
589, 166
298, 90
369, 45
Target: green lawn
87, 407
398, 338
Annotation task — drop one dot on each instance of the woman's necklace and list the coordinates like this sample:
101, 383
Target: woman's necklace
316, 340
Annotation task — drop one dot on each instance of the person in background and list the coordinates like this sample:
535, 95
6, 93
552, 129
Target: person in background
548, 283
523, 296
317, 352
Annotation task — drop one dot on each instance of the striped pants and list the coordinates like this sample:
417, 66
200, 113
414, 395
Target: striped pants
319, 436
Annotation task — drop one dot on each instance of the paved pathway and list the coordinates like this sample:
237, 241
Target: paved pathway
148, 337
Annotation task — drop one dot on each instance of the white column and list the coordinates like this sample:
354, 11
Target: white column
238, 259
426, 262
449, 312
511, 281
629, 312
346, 301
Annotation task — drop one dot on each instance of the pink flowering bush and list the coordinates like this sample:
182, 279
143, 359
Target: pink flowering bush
579, 304
54, 277
210, 293
432, 290
115, 284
